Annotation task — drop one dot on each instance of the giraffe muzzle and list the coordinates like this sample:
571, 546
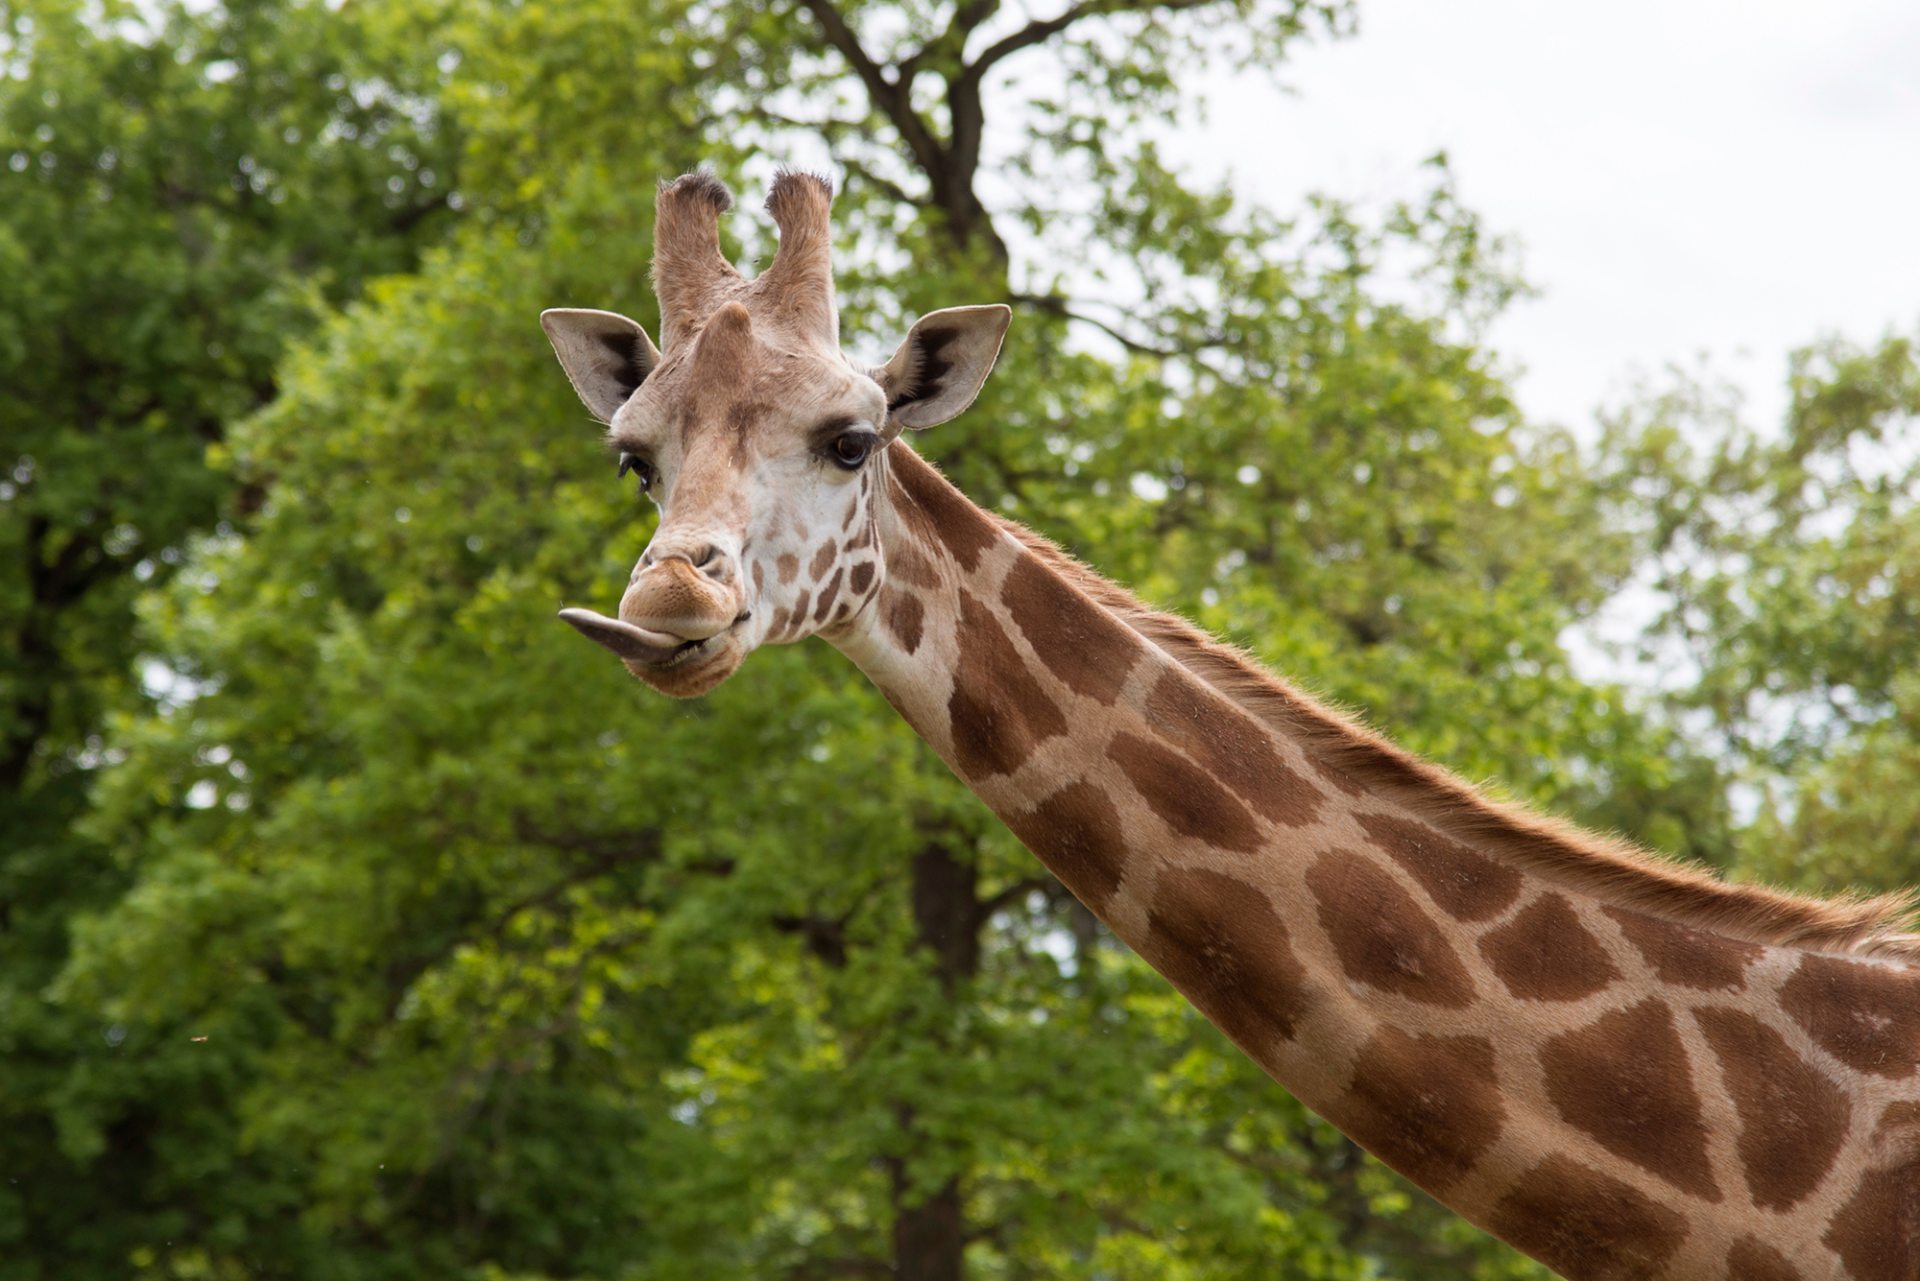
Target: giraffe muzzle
674, 599
675, 621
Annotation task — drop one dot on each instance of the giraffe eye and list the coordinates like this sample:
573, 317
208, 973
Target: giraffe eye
640, 467
852, 448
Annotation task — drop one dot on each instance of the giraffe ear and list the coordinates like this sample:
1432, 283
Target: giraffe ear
606, 356
941, 366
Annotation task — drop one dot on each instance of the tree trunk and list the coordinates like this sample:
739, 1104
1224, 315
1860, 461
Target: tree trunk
929, 1239
929, 1235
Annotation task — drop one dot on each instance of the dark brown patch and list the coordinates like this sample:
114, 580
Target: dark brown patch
1692, 958
786, 567
944, 516
861, 578
1865, 1015
822, 560
998, 712
759, 576
1792, 1118
1586, 1224
1545, 954
800, 609
1429, 1106
906, 564
779, 623
1087, 649
827, 593
1752, 1260
1382, 937
1466, 884
902, 613
1221, 943
1625, 1080
1076, 832
861, 539
1900, 1119
1232, 746
1184, 797
1877, 1232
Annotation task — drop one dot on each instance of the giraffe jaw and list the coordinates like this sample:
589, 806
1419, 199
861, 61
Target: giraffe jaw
675, 667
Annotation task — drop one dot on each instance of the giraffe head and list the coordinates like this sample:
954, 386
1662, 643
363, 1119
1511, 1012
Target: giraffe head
759, 440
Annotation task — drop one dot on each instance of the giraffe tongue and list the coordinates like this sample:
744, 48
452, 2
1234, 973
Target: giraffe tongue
623, 638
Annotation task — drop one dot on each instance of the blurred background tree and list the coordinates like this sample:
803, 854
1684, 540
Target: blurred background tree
183, 192
360, 922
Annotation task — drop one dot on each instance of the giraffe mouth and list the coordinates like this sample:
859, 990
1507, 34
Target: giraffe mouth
640, 645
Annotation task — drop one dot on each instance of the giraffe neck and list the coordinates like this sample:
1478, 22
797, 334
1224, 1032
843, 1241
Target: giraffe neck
1615, 1092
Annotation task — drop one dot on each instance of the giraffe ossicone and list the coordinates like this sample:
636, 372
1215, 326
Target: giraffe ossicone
1623, 1068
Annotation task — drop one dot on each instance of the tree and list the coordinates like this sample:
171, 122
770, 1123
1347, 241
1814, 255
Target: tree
1786, 569
184, 190
504, 971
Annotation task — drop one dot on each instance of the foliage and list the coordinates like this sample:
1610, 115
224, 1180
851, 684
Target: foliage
183, 191
426, 946
1787, 564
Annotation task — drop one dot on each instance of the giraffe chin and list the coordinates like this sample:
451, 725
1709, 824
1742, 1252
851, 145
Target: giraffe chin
676, 668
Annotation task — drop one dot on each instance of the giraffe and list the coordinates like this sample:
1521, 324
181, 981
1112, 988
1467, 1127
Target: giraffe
1621, 1067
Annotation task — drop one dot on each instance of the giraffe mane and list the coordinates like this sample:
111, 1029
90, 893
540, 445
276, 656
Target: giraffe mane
1609, 868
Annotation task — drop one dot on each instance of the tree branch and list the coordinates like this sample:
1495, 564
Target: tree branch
889, 97
1059, 307
885, 185
1139, 346
1013, 894
1035, 32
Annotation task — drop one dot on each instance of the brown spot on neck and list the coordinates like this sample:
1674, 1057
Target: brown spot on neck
1087, 649
1792, 1118
1220, 941
1380, 934
1231, 745
1877, 1232
1077, 833
902, 613
1752, 1260
1182, 795
939, 514
1462, 882
1680, 954
1587, 1225
998, 713
907, 565
1545, 954
1867, 1016
1625, 1080
1429, 1106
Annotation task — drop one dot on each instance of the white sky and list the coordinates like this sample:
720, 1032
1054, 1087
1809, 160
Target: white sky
1684, 176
